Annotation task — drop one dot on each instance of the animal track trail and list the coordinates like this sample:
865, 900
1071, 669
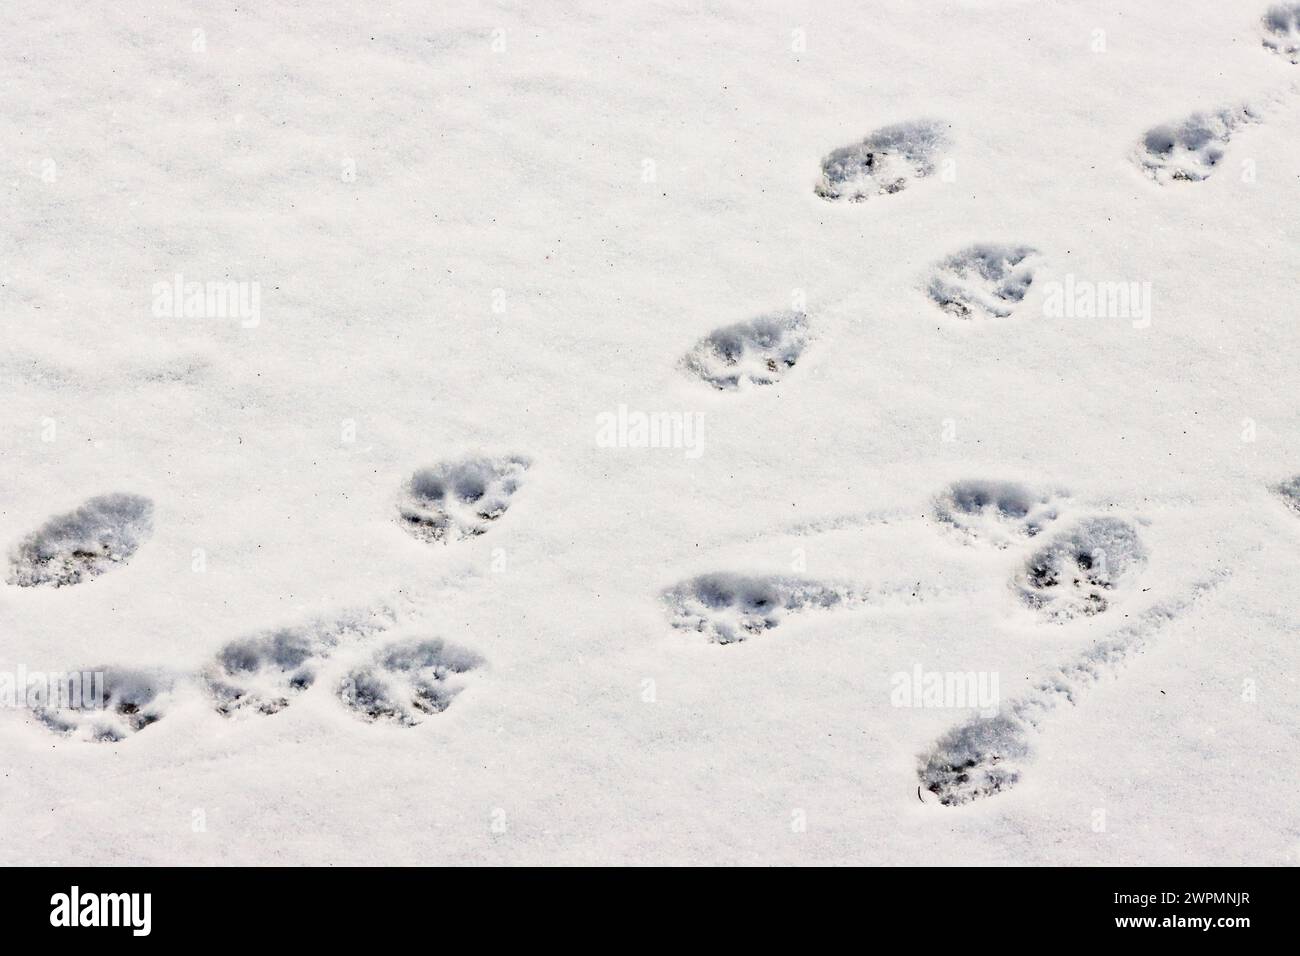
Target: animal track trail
1001, 513
260, 674
757, 352
459, 499
983, 281
885, 162
408, 681
263, 673
984, 757
70, 548
1190, 150
1082, 570
105, 704
1282, 31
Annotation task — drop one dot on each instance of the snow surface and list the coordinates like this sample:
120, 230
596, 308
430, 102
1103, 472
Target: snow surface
476, 229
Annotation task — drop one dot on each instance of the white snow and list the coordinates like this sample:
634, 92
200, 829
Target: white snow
439, 239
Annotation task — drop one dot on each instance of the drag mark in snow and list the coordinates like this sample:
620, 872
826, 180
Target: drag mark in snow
983, 281
407, 681
982, 757
880, 517
885, 162
102, 534
757, 352
826, 524
460, 499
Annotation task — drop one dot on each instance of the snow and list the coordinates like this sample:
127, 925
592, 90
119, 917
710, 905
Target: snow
439, 239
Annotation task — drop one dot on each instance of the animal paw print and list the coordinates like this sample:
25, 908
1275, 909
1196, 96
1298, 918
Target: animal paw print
984, 281
1289, 492
104, 705
408, 681
1001, 513
1191, 150
68, 549
1080, 572
975, 759
1282, 31
263, 674
459, 499
885, 162
757, 352
728, 608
